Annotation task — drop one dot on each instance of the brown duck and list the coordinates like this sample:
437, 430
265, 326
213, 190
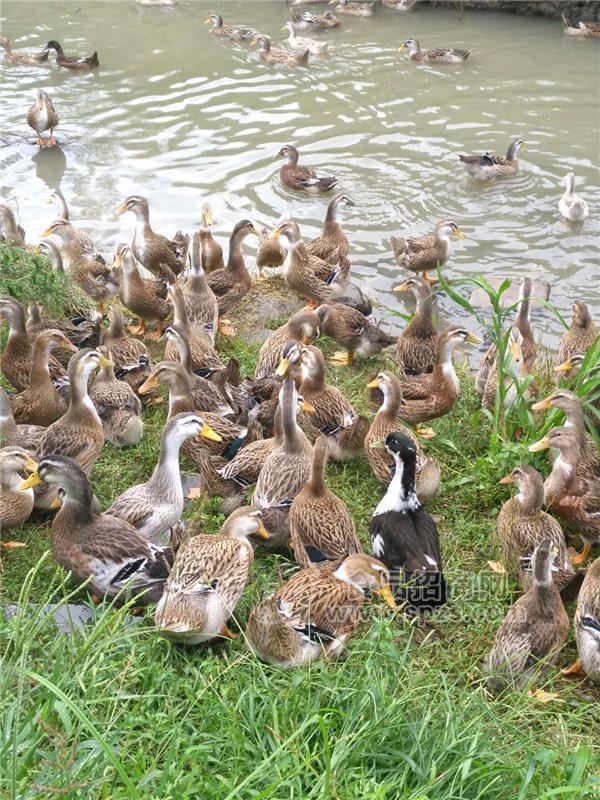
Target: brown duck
416, 345
75, 63
151, 249
302, 179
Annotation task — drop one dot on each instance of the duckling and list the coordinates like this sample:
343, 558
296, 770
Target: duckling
580, 336
117, 405
130, 357
153, 507
43, 117
432, 395
572, 207
151, 249
16, 504
270, 253
300, 44
321, 526
236, 33
201, 303
22, 59
106, 552
333, 416
353, 331
272, 55
571, 494
74, 63
78, 434
146, 298
404, 536
211, 252
534, 628
426, 252
489, 165
589, 29
11, 434
231, 283
332, 244
320, 22
439, 56
39, 403
387, 420
416, 345
86, 242
13, 234
522, 525
351, 9
587, 626
207, 580
313, 615
302, 179
304, 326
285, 471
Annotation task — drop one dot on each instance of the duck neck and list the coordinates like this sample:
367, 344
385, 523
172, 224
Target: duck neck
166, 472
80, 399
10, 480
392, 398
235, 260
180, 396
317, 485
39, 376
292, 439
570, 190
75, 511
511, 153
422, 322
444, 367
530, 498
8, 426
61, 204
185, 354
332, 226
116, 329
401, 495
180, 317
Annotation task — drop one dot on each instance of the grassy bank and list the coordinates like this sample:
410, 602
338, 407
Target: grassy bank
120, 713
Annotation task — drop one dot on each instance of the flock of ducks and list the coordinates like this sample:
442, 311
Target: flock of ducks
81, 382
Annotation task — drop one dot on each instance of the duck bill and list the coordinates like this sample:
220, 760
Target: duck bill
308, 407
33, 480
402, 47
206, 21
208, 433
207, 217
121, 209
387, 595
149, 385
543, 405
47, 232
403, 287
374, 384
67, 345
543, 444
262, 532
30, 465
275, 233
56, 503
105, 362
283, 368
118, 261
507, 479
566, 366
459, 234
473, 339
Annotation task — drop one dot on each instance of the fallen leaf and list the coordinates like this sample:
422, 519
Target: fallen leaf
497, 567
12, 545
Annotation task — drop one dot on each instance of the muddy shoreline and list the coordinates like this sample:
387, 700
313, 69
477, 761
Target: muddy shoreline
574, 11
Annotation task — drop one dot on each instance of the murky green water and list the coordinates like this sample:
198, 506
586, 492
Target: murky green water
179, 116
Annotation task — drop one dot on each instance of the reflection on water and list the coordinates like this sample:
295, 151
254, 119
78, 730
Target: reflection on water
180, 116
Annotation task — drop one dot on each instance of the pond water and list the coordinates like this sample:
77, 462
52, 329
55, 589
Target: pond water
180, 116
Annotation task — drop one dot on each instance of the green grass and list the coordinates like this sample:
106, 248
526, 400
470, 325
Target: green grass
121, 713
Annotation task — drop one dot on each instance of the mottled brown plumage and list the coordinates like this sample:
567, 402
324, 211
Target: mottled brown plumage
416, 345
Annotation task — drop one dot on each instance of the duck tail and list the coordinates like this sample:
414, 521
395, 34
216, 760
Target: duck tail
304, 58
93, 59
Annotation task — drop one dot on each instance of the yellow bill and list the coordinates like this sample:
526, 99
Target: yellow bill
308, 407
283, 368
103, 361
122, 209
276, 232
566, 366
33, 480
472, 338
403, 287
543, 444
507, 479
374, 384
56, 503
542, 405
148, 385
459, 234
262, 532
67, 345
208, 433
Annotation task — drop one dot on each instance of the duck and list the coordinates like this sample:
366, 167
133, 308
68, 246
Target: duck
16, 360
207, 395
302, 179
572, 207
132, 362
587, 626
273, 55
42, 117
445, 55
304, 326
332, 244
232, 282
75, 63
404, 535
270, 254
13, 233
580, 336
16, 504
351, 9
352, 330
322, 530
207, 580
426, 397
534, 629
333, 416
203, 354
79, 433
152, 250
514, 374
399, 5
201, 304
522, 525
316, 22
313, 615
22, 59
300, 44
118, 406
416, 344
488, 165
210, 251
304, 274
86, 243
388, 420
428, 252
285, 471
572, 406
571, 367
155, 506
236, 33
25, 436
570, 493
39, 403
106, 553
144, 297
83, 329
588, 29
